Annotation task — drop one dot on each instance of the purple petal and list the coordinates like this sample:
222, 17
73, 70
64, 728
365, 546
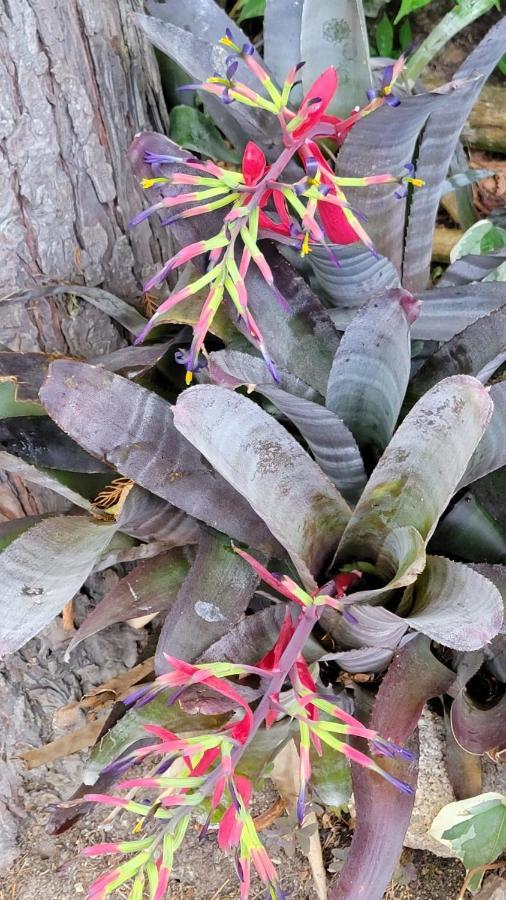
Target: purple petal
393, 101
371, 94
232, 69
301, 802
248, 49
311, 167
388, 71
299, 65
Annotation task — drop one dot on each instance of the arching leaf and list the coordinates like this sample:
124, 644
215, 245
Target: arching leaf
270, 469
490, 453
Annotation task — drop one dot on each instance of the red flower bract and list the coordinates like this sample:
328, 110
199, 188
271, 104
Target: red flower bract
316, 101
253, 163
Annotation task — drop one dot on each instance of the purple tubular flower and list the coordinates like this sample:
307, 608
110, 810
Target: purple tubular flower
371, 94
165, 765
300, 64
301, 802
392, 100
232, 69
387, 748
138, 340
247, 49
311, 167
186, 358
324, 189
118, 766
388, 72
233, 794
140, 217
238, 867
410, 169
153, 159
226, 98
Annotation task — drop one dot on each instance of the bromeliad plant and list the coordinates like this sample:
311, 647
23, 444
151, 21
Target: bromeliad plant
367, 474
263, 204
206, 781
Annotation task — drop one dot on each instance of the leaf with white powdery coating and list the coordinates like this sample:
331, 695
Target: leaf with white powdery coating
371, 369
133, 430
490, 453
270, 469
211, 601
150, 588
454, 605
421, 467
42, 569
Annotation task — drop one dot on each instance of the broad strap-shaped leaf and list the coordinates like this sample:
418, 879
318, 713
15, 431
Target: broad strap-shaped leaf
282, 25
383, 812
334, 33
270, 469
302, 339
490, 453
453, 604
436, 149
46, 479
132, 429
371, 369
10, 404
330, 777
445, 311
148, 589
421, 467
395, 131
28, 371
372, 626
478, 350
330, 441
233, 369
470, 533
119, 310
42, 569
211, 601
250, 639
473, 267
365, 659
360, 274
149, 518
463, 768
201, 58
132, 361
38, 441
478, 729
196, 131
130, 729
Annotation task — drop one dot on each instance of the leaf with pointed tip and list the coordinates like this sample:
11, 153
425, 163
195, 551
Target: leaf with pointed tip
371, 369
436, 149
211, 601
334, 33
42, 569
270, 469
133, 430
301, 340
118, 310
131, 361
490, 453
478, 350
149, 589
414, 676
453, 604
360, 274
200, 58
469, 532
124, 549
421, 467
282, 25
445, 311
38, 441
396, 131
233, 369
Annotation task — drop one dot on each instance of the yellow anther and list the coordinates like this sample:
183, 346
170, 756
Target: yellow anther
305, 248
149, 182
387, 90
138, 826
416, 182
189, 377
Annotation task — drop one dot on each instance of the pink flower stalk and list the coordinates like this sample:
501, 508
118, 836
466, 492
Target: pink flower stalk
309, 213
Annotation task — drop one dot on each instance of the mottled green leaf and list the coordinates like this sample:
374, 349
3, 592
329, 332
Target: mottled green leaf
192, 129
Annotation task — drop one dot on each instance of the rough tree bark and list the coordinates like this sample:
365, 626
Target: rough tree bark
77, 81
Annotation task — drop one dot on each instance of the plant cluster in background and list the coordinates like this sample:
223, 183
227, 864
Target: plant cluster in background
322, 538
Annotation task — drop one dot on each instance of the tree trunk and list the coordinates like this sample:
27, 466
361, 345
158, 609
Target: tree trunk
77, 81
